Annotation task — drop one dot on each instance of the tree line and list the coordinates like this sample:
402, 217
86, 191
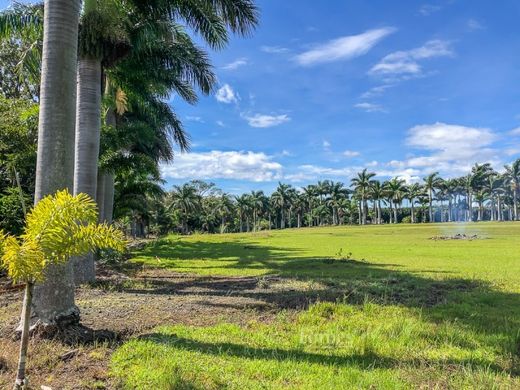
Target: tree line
482, 194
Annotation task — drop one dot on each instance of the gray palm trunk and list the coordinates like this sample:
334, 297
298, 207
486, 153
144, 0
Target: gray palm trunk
53, 302
430, 206
106, 182
88, 127
515, 204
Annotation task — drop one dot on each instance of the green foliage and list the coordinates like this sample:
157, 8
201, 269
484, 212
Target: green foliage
57, 228
407, 219
11, 212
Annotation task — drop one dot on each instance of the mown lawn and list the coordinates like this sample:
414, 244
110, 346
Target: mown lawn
391, 309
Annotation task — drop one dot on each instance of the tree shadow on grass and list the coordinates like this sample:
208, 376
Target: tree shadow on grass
366, 361
471, 303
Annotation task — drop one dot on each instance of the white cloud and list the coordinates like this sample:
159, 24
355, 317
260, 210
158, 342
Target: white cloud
376, 91
453, 148
220, 123
343, 48
351, 153
326, 145
515, 131
260, 120
194, 119
274, 49
236, 165
428, 9
225, 94
474, 25
369, 107
235, 64
407, 62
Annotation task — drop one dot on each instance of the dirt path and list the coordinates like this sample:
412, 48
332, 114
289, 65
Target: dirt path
132, 305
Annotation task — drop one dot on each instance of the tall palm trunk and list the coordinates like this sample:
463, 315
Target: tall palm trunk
412, 217
515, 203
100, 196
53, 303
88, 127
105, 200
430, 205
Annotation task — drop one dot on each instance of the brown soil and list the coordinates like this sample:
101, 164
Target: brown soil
457, 237
127, 306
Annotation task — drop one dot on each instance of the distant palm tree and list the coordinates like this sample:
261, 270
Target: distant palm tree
243, 206
431, 183
223, 208
257, 201
337, 192
395, 189
361, 184
413, 192
185, 200
281, 199
512, 176
377, 193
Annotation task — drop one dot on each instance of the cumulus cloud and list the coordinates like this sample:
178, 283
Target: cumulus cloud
453, 148
236, 165
408, 62
261, 120
370, 107
351, 153
343, 48
235, 64
225, 94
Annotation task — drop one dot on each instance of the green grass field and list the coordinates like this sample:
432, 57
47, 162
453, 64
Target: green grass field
393, 309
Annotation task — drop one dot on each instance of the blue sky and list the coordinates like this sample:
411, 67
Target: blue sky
324, 89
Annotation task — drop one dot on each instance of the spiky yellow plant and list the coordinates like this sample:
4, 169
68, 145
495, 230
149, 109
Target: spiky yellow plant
58, 227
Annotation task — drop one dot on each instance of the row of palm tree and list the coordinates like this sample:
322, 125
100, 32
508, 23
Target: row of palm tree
107, 68
483, 194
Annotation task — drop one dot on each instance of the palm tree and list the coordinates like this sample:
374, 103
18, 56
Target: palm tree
362, 183
185, 200
310, 195
395, 189
281, 200
242, 208
257, 202
223, 208
513, 179
478, 176
413, 192
377, 192
146, 19
54, 298
336, 191
431, 183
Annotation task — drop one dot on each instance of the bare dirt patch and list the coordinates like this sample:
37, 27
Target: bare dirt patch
457, 237
131, 305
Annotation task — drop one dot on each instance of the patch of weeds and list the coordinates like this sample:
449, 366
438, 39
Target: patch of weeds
339, 257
